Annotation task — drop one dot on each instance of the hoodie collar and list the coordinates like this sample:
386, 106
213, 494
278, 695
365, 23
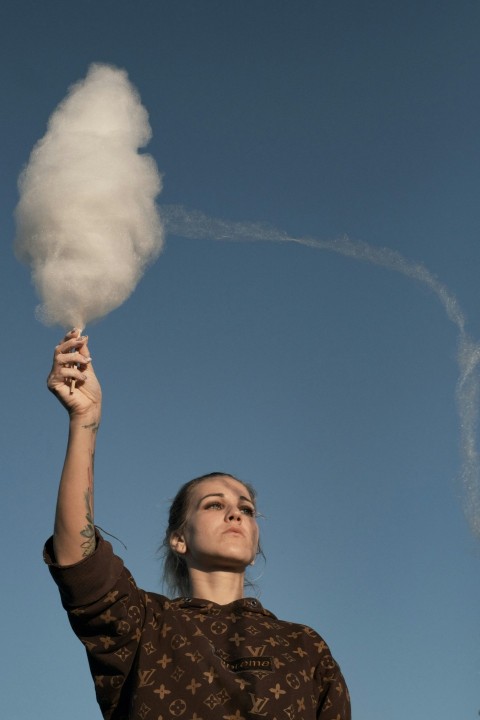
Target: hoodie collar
209, 607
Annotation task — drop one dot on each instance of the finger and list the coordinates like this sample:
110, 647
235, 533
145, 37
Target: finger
69, 367
72, 343
64, 375
83, 350
75, 357
71, 334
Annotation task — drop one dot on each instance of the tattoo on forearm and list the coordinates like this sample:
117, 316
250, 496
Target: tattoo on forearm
92, 426
88, 532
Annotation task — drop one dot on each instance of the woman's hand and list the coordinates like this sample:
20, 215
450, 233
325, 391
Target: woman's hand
72, 378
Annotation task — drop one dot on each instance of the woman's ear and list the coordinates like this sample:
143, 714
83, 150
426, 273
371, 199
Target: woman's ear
178, 544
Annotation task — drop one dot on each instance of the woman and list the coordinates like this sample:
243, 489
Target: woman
211, 653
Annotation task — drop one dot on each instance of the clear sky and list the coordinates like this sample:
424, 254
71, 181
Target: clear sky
327, 382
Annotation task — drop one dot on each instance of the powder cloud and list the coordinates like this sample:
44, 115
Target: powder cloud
87, 221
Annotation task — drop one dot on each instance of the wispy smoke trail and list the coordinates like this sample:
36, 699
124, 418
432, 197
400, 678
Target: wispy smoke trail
195, 225
87, 222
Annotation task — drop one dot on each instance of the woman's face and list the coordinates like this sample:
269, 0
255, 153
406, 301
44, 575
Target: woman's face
221, 531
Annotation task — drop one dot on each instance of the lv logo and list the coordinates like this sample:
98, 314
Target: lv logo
258, 704
257, 651
144, 677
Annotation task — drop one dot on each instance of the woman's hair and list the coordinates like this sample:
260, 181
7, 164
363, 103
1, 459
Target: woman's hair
175, 570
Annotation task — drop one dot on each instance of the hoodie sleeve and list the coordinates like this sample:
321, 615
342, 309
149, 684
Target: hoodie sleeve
106, 610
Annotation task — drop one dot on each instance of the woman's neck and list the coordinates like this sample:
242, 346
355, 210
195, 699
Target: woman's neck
220, 586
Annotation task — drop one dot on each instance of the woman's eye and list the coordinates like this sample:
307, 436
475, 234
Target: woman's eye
245, 510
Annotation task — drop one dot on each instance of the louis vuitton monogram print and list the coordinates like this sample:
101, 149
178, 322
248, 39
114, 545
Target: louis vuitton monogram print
156, 659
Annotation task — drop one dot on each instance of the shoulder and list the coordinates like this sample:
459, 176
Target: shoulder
298, 629
308, 640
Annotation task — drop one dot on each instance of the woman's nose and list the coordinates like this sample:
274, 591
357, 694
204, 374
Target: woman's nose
233, 513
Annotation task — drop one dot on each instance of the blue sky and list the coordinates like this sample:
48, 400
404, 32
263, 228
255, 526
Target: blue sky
326, 381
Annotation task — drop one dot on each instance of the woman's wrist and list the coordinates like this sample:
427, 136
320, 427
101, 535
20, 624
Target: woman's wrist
87, 421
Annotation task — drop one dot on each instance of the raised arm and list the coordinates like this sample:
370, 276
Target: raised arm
74, 533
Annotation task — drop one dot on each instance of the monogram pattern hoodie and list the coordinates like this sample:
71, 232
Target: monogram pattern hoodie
152, 658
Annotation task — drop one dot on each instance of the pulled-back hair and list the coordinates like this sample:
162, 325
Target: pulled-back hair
175, 571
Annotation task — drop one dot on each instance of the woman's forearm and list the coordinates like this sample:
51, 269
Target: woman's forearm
74, 534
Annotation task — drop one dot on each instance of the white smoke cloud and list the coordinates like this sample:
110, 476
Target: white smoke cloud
87, 222
195, 225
